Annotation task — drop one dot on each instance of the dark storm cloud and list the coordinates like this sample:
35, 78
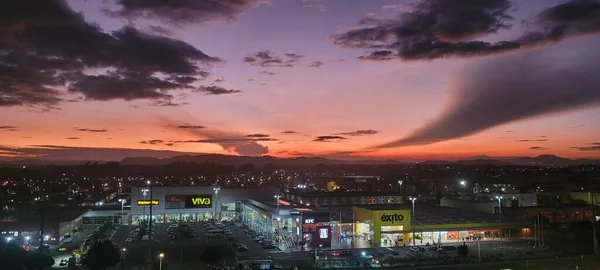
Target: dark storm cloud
359, 132
264, 72
251, 149
515, 87
328, 138
439, 28
591, 147
72, 138
8, 128
540, 140
268, 59
152, 142
258, 135
124, 86
46, 46
216, 90
91, 130
180, 12
191, 126
317, 64
537, 148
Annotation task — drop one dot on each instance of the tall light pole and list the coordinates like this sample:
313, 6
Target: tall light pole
278, 218
413, 218
499, 198
216, 191
160, 258
144, 193
150, 229
122, 201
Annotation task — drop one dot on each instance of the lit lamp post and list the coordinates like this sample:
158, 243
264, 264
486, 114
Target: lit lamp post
277, 197
160, 258
144, 193
499, 198
122, 206
123, 257
216, 190
413, 218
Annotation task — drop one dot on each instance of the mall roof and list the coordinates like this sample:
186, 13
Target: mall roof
429, 213
339, 193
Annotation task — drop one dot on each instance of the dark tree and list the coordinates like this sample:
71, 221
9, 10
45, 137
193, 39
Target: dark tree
462, 251
38, 261
101, 255
14, 257
211, 255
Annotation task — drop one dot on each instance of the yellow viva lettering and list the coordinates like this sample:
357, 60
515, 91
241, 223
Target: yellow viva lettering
200, 201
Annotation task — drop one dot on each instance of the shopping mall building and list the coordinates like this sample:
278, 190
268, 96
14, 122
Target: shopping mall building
191, 204
378, 224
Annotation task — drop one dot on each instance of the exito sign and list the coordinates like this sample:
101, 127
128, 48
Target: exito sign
147, 202
392, 218
198, 201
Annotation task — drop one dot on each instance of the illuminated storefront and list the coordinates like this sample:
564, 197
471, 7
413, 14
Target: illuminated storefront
383, 227
191, 204
392, 227
316, 229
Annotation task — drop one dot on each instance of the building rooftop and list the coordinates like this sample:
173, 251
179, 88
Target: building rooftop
429, 213
339, 193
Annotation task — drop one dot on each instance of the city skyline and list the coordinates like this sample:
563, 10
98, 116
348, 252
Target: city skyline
338, 79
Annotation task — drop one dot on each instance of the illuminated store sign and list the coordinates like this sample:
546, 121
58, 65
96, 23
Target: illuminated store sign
309, 220
198, 201
324, 233
392, 218
147, 202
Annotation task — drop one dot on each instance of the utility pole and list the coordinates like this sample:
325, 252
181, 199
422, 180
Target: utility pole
41, 209
412, 219
500, 215
478, 249
150, 230
542, 229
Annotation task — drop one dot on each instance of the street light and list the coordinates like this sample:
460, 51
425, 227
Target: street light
216, 190
144, 193
499, 198
160, 258
463, 183
122, 206
413, 218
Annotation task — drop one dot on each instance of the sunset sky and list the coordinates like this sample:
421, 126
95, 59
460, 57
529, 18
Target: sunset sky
332, 78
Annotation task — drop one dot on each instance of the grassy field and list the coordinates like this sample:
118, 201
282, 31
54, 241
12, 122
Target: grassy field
589, 263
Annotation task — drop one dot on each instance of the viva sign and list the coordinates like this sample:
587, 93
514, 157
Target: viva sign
392, 218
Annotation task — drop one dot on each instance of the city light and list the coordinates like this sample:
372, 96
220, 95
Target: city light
463, 183
8, 239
